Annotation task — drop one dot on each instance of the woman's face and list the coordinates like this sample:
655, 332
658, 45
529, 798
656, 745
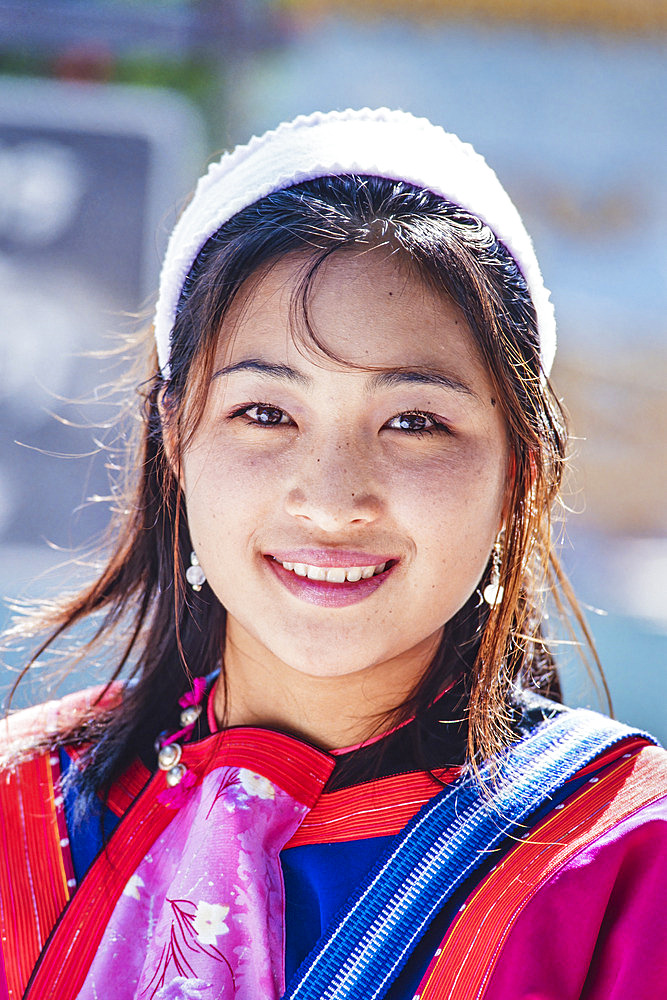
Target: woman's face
343, 516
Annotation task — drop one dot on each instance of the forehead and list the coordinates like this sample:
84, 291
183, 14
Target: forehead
365, 308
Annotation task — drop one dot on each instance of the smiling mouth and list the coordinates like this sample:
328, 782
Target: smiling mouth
336, 574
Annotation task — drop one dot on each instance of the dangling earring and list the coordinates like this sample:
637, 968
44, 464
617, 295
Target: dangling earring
493, 592
194, 574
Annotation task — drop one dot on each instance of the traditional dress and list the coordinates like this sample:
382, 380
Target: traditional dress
214, 875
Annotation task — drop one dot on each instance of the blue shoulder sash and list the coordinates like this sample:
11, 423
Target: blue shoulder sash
370, 939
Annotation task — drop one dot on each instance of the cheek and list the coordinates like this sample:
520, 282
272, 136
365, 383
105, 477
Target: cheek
217, 493
231, 496
465, 489
455, 512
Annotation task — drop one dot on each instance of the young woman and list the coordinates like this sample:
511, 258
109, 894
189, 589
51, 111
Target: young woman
331, 761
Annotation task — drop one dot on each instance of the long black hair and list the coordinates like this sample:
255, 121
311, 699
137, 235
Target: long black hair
164, 633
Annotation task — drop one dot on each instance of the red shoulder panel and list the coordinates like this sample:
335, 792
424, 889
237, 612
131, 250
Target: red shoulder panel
36, 879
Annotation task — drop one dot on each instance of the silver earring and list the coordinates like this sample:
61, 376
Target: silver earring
194, 574
493, 592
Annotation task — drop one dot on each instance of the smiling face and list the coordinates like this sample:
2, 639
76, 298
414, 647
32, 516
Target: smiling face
390, 484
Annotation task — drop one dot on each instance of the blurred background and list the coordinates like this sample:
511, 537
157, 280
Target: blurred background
110, 110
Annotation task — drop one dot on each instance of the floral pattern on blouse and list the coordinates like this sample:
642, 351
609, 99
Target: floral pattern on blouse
202, 917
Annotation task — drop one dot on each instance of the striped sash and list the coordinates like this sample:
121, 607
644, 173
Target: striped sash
370, 940
464, 964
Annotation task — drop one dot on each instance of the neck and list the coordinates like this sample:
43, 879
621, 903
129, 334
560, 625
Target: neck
330, 712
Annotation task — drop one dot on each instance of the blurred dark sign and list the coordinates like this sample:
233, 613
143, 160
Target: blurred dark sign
90, 178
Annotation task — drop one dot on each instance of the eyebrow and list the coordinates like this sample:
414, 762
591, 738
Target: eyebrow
283, 372
421, 376
385, 379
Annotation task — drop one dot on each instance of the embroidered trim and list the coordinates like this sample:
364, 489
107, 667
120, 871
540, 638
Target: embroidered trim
59, 811
374, 809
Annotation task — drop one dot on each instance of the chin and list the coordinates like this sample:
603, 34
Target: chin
316, 666
321, 657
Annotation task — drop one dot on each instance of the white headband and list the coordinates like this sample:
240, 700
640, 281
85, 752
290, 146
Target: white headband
390, 144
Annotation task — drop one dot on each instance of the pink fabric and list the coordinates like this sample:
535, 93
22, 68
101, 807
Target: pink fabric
203, 913
190, 698
597, 930
210, 710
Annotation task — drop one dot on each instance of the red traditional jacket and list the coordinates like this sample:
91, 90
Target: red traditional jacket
573, 909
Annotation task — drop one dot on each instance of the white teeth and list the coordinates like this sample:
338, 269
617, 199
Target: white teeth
335, 574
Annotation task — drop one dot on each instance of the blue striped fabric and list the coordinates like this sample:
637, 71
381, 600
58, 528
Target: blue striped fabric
369, 941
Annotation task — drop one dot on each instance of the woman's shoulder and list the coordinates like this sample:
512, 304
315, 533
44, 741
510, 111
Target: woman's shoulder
533, 712
587, 876
34, 730
618, 767
588, 918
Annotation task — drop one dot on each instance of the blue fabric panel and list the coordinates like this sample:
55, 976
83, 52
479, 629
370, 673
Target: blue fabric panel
318, 880
320, 877
87, 837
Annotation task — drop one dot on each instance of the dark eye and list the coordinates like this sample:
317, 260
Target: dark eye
412, 423
263, 414
268, 414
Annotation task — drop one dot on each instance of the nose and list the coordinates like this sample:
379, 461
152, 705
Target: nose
333, 488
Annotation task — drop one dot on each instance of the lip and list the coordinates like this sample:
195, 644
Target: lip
328, 595
331, 557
